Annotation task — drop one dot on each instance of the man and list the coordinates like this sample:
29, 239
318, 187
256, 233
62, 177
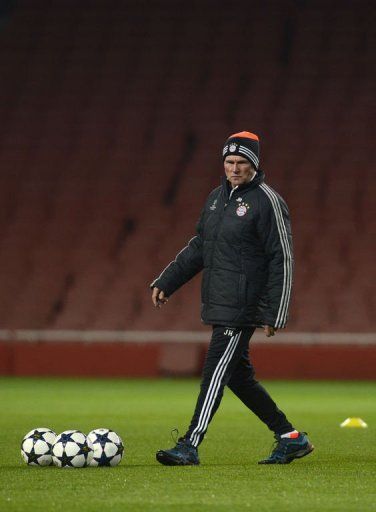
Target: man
243, 245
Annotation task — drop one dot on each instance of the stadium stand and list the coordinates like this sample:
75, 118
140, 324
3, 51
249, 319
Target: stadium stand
113, 119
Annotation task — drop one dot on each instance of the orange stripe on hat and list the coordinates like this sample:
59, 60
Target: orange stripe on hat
244, 135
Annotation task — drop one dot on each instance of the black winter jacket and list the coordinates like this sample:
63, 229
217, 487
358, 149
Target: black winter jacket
244, 247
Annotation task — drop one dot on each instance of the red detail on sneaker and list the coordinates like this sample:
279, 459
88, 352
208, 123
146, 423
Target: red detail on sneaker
294, 435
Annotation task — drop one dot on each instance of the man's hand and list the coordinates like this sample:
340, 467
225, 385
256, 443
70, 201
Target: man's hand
158, 297
269, 330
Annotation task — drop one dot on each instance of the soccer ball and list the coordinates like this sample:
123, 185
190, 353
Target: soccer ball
108, 447
72, 449
36, 446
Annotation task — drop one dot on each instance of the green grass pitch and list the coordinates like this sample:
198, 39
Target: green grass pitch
338, 476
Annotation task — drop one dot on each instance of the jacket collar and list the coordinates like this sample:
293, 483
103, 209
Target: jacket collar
257, 180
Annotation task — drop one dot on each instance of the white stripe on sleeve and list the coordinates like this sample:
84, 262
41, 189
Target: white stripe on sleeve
287, 257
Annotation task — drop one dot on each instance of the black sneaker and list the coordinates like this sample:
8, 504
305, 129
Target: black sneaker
184, 454
287, 449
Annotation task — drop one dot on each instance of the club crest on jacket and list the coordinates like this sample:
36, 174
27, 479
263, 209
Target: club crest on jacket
242, 209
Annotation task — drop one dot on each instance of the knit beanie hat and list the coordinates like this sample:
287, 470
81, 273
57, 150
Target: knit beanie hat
245, 144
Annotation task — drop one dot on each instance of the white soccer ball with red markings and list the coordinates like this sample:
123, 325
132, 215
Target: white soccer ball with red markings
36, 446
72, 449
108, 447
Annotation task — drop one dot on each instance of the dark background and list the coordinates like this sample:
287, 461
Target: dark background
113, 116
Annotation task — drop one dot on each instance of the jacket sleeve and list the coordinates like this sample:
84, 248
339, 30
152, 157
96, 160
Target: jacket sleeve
187, 263
274, 230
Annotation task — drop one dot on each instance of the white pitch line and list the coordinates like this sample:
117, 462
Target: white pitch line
103, 336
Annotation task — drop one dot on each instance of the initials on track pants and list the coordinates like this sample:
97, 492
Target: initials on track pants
227, 364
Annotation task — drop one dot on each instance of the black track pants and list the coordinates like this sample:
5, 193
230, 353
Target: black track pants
227, 363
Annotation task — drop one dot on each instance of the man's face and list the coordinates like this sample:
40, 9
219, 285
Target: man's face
238, 170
